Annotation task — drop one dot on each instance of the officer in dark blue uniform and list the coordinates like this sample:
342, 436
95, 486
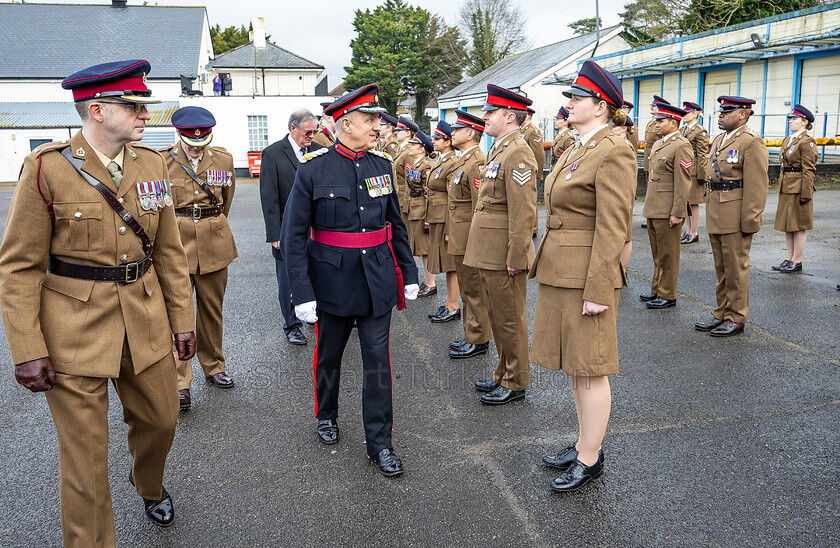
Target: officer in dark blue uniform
349, 262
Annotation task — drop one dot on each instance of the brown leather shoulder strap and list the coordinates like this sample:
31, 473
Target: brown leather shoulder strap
195, 178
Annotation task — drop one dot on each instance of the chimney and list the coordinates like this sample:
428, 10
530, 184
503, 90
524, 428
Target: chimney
119, 3
258, 34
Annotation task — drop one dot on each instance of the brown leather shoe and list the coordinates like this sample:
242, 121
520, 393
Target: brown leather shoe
707, 325
427, 291
220, 380
184, 399
727, 329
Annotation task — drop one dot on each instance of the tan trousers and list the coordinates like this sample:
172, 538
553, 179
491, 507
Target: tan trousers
209, 297
509, 322
473, 302
665, 246
732, 275
79, 406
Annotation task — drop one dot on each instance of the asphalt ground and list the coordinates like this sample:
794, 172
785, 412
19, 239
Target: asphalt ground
711, 441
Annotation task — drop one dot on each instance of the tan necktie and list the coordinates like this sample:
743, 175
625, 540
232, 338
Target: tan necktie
116, 173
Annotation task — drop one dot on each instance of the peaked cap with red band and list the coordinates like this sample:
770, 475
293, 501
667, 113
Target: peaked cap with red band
731, 102
386, 118
689, 106
421, 138
465, 119
120, 80
194, 125
407, 124
443, 131
801, 112
499, 97
627, 104
364, 99
666, 110
658, 99
594, 81
531, 111
562, 113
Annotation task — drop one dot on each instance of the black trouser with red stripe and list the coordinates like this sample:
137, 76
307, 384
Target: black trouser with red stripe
332, 333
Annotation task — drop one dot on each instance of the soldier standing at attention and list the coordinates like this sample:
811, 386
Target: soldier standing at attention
534, 137
418, 169
406, 128
737, 175
563, 138
462, 186
666, 204
632, 130
349, 263
623, 131
437, 201
93, 283
699, 139
325, 136
203, 184
650, 132
795, 211
500, 244
387, 141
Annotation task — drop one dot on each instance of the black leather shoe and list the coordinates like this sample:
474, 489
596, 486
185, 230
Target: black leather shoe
502, 395
644, 225
184, 399
838, 287
447, 315
727, 329
469, 350
781, 265
689, 239
389, 464
486, 386
296, 336
791, 267
708, 325
577, 475
683, 237
220, 380
455, 345
659, 302
160, 512
328, 432
437, 312
648, 297
565, 458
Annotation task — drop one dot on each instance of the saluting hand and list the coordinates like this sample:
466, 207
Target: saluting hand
592, 309
36, 375
185, 342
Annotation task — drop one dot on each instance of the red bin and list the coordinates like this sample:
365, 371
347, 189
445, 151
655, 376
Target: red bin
254, 159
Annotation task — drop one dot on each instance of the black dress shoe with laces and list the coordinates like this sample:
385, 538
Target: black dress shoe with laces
577, 475
437, 312
469, 350
296, 336
447, 315
160, 512
389, 464
327, 432
502, 395
708, 325
648, 297
486, 386
565, 458
659, 302
727, 329
689, 239
781, 265
791, 267
455, 345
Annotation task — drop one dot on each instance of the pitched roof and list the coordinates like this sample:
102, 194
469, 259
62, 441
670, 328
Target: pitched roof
72, 37
270, 57
522, 67
63, 114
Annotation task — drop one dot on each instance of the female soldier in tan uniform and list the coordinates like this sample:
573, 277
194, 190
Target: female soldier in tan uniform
588, 201
563, 138
795, 212
624, 132
699, 139
418, 167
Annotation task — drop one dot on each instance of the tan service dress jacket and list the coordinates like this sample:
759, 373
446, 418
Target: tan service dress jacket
534, 137
670, 182
650, 138
462, 188
699, 139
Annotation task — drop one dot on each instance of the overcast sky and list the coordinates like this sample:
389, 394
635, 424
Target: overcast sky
321, 30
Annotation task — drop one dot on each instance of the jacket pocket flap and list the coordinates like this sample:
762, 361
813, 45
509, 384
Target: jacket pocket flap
576, 238
731, 195
150, 282
324, 254
78, 210
73, 288
487, 220
331, 192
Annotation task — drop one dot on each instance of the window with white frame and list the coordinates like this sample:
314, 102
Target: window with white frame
257, 133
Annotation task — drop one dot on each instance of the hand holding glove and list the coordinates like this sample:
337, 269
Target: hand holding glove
411, 291
306, 312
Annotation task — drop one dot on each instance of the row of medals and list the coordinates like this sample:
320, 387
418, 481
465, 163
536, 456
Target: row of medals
156, 197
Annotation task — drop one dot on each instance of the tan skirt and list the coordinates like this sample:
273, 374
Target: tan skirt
439, 259
791, 216
563, 338
696, 193
418, 238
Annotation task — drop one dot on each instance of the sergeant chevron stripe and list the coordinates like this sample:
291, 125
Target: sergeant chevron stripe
521, 177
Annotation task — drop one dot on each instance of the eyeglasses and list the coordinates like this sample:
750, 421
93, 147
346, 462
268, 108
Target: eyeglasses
136, 107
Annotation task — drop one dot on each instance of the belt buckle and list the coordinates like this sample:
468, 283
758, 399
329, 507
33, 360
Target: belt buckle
196, 212
128, 277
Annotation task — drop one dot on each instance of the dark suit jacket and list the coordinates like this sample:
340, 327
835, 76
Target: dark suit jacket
277, 175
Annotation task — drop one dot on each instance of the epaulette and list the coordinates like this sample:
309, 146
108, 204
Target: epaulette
137, 144
310, 155
751, 131
46, 147
380, 153
164, 149
222, 150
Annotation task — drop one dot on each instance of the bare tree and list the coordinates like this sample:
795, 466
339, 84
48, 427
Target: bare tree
495, 29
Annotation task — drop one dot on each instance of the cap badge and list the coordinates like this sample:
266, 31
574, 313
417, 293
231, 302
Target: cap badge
80, 152
144, 78
197, 132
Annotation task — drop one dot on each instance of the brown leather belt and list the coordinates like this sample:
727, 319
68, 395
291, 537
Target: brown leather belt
792, 169
123, 274
198, 212
725, 185
416, 193
571, 223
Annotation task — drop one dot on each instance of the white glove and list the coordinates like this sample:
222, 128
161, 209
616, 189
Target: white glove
411, 291
306, 312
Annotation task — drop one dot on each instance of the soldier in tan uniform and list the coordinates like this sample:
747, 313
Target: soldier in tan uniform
699, 139
798, 169
462, 186
499, 243
737, 175
405, 130
90, 295
203, 183
563, 137
650, 132
534, 137
437, 200
325, 136
387, 142
622, 131
418, 168
632, 129
666, 204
